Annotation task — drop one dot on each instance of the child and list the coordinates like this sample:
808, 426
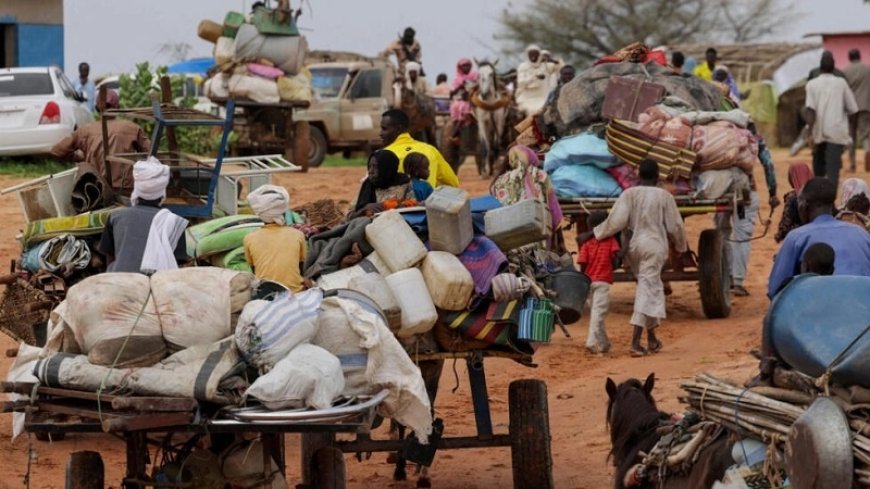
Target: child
597, 259
818, 259
417, 167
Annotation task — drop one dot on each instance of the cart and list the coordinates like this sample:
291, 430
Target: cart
713, 271
139, 420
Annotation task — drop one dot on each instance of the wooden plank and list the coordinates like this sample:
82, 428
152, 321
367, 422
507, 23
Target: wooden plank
122, 423
166, 93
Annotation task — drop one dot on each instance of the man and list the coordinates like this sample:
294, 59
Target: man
413, 81
85, 145
705, 70
858, 76
394, 134
275, 251
737, 232
145, 238
677, 62
851, 243
829, 104
566, 74
85, 86
649, 214
405, 48
533, 85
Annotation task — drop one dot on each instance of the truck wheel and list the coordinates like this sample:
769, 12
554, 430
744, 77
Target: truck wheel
714, 272
327, 469
531, 458
316, 146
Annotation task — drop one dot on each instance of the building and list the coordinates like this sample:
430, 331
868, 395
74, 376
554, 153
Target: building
31, 33
839, 43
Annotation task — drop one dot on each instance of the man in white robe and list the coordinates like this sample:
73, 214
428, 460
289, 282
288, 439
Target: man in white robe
533, 82
650, 217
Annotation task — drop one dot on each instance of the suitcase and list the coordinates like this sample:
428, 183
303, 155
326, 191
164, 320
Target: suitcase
625, 98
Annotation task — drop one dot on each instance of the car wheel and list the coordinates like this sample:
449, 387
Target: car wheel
316, 146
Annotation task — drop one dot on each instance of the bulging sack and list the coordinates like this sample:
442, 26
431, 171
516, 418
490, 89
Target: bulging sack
308, 376
268, 330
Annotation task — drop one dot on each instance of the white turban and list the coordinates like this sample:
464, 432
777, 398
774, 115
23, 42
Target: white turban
270, 202
150, 178
412, 66
533, 47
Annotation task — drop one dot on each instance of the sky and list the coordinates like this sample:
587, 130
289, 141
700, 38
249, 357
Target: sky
114, 35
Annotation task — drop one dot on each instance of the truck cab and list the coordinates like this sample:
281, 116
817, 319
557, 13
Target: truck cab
349, 97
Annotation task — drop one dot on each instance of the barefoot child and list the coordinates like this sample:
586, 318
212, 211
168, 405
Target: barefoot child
597, 259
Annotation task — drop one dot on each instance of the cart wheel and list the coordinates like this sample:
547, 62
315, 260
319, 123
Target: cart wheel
316, 146
84, 470
714, 275
50, 436
531, 458
327, 469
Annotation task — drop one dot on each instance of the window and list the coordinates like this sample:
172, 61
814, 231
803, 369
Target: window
326, 82
66, 86
368, 84
18, 84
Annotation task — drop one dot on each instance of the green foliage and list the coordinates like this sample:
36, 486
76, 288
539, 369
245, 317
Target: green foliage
138, 90
337, 160
30, 167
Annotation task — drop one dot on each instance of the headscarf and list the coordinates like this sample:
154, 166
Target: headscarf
270, 202
798, 176
526, 180
150, 178
534, 47
461, 77
689, 65
412, 66
850, 188
388, 176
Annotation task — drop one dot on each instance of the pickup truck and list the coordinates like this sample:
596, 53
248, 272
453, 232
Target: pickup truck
349, 97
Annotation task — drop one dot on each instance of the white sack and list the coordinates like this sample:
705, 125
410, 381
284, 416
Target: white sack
243, 467
255, 88
21, 370
387, 364
308, 376
268, 330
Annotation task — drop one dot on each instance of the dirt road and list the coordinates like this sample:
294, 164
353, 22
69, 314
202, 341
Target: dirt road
575, 379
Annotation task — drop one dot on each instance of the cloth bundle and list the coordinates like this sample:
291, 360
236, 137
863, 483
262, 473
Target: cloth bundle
56, 254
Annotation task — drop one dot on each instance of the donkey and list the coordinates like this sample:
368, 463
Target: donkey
490, 103
420, 109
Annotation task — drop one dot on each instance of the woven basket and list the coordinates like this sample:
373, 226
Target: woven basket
322, 213
15, 318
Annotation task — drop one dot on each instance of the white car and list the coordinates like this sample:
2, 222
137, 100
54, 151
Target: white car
38, 108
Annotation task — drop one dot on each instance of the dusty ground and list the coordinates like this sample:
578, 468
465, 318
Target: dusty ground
575, 379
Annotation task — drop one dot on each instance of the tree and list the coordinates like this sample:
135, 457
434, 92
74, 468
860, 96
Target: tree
583, 30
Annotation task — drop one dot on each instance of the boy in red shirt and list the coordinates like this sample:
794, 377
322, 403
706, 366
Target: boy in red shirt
597, 259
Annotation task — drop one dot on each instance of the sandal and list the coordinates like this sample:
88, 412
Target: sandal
656, 347
740, 291
634, 352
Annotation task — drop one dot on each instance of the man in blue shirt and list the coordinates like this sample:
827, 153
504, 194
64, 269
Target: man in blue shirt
851, 243
85, 86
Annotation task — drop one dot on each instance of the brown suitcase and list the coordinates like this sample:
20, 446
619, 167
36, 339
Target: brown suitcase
625, 98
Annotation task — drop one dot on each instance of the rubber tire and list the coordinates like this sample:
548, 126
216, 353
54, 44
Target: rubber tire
328, 469
316, 146
84, 470
714, 275
531, 456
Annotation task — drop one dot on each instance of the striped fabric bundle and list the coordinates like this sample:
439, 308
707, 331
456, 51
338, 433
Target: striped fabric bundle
632, 146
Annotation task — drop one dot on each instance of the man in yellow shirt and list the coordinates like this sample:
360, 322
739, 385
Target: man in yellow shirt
394, 133
275, 251
705, 70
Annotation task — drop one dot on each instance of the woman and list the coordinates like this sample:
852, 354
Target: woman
798, 175
460, 107
523, 179
384, 182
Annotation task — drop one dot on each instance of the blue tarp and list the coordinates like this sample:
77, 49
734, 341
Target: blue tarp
199, 66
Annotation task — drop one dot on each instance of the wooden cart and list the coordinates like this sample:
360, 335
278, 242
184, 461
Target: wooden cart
713, 272
146, 420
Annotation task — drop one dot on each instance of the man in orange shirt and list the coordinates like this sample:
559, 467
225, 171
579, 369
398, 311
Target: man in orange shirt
275, 251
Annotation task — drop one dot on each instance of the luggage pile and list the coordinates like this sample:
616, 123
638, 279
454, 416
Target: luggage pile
259, 57
617, 113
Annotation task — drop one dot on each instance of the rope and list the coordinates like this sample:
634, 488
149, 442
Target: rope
121, 350
825, 380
